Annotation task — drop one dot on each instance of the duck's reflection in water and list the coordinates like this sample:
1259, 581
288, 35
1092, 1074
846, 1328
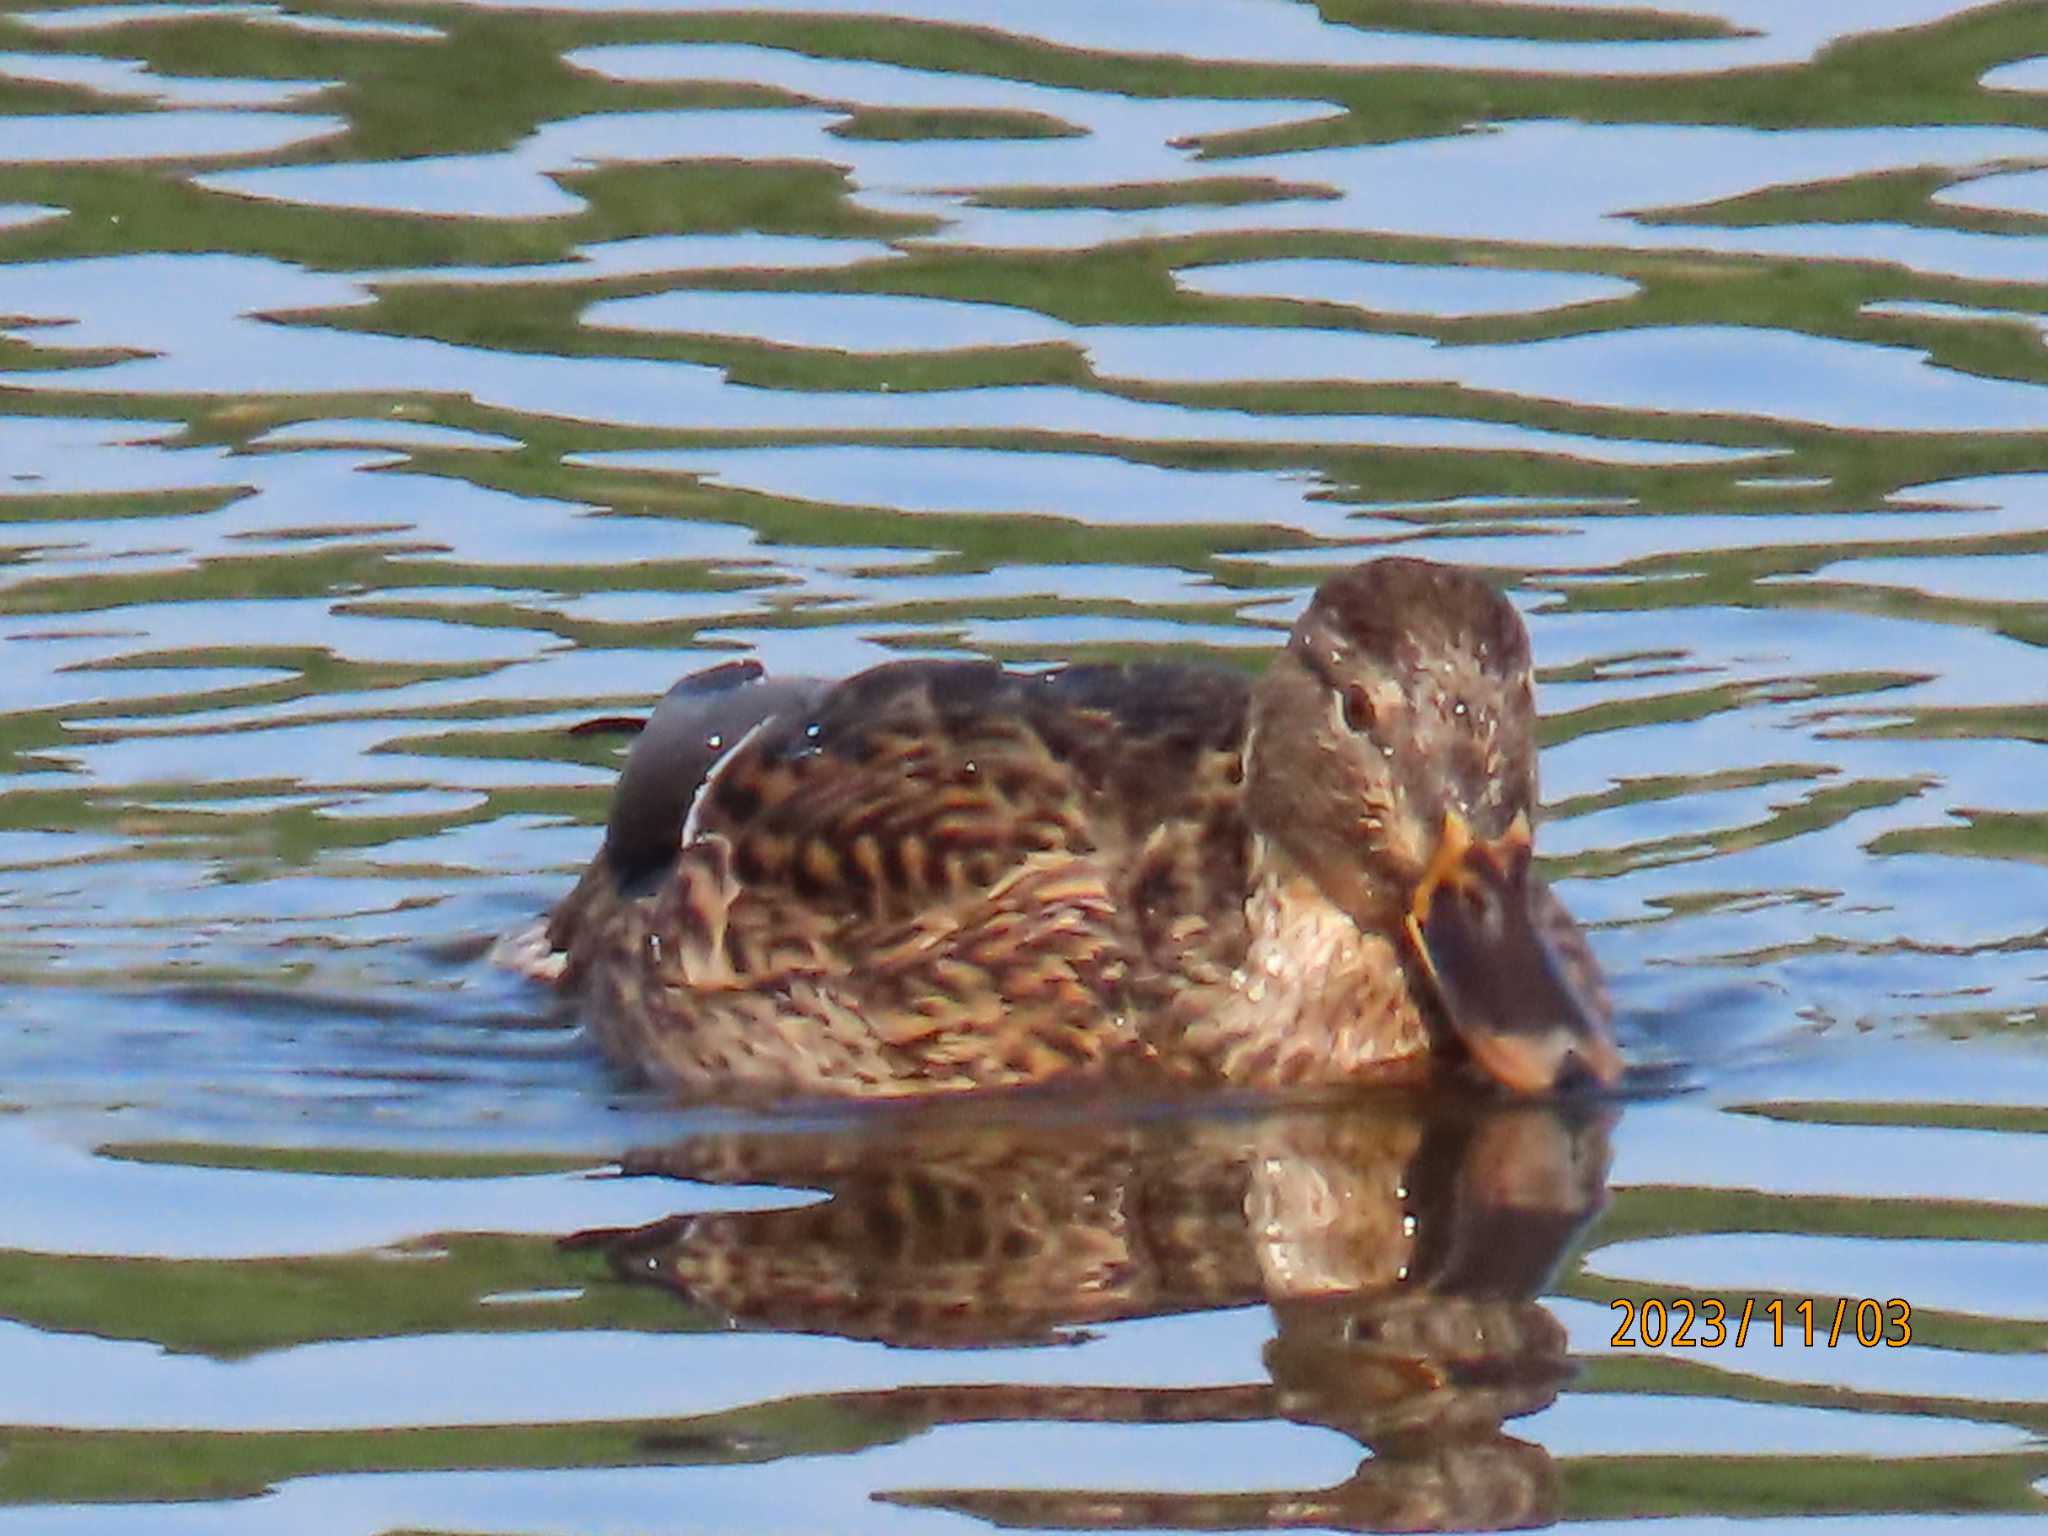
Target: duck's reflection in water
1399, 1246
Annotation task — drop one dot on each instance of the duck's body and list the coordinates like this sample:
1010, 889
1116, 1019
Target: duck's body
938, 876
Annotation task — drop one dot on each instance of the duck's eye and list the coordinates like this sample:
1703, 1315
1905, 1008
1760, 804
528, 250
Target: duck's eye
1357, 708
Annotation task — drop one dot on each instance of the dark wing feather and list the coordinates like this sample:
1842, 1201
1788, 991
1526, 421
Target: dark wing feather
696, 723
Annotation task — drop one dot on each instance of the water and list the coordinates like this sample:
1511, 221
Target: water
384, 389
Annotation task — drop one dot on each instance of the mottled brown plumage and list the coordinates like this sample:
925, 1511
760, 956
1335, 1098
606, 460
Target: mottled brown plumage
939, 876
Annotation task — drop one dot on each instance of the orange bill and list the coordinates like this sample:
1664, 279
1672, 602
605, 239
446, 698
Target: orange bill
1495, 943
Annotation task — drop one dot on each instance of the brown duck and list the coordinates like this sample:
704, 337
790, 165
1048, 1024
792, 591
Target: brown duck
942, 876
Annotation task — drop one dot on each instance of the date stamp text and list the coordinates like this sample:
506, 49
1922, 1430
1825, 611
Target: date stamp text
1684, 1323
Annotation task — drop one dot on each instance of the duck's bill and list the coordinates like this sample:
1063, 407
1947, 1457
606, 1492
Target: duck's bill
1514, 977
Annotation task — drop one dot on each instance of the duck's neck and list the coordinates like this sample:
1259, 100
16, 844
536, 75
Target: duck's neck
1317, 999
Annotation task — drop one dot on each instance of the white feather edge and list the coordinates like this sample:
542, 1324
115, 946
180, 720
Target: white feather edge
691, 831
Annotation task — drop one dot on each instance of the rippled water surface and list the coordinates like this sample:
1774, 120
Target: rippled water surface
385, 388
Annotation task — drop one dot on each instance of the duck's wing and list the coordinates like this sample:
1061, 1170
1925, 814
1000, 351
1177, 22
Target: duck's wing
939, 874
918, 784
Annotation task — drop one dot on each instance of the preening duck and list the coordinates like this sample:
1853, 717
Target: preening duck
936, 877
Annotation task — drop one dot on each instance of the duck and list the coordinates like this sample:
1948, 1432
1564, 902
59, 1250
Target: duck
940, 877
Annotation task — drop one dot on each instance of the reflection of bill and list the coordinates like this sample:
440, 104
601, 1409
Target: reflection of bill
1399, 1245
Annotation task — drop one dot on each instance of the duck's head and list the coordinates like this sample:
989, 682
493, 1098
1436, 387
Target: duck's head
1392, 759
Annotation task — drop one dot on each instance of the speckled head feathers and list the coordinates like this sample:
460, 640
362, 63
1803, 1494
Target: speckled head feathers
1404, 692
1410, 615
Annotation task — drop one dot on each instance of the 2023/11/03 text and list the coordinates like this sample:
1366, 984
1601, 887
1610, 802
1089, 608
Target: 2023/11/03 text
1711, 1323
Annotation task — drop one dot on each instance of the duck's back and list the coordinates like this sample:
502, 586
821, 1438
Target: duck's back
934, 874
926, 781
